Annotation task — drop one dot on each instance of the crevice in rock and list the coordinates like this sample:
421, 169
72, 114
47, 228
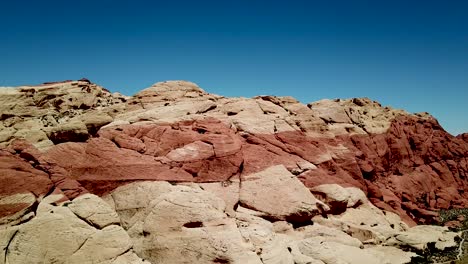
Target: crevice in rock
327, 122
195, 224
50, 191
298, 124
301, 224
236, 205
123, 253
239, 172
82, 244
58, 137
201, 130
221, 260
8, 246
87, 221
211, 107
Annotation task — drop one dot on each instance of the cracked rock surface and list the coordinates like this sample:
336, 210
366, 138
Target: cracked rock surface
174, 174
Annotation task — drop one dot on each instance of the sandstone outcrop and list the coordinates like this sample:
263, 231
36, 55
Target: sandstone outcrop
174, 174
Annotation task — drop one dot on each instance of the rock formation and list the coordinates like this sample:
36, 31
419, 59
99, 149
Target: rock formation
174, 174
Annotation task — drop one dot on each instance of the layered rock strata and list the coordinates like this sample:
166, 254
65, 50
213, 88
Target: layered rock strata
174, 174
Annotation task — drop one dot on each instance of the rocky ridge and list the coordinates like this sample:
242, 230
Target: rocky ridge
174, 174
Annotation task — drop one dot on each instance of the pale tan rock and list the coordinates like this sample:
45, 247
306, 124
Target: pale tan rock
300, 258
329, 234
355, 116
248, 116
70, 131
184, 216
282, 125
243, 106
365, 222
6, 133
369, 216
254, 229
292, 200
391, 255
43, 145
188, 225
283, 227
170, 113
116, 123
6, 235
95, 119
32, 135
335, 196
56, 109
129, 258
276, 252
270, 108
55, 198
228, 191
183, 206
336, 253
357, 197
271, 247
215, 244
344, 129
339, 198
370, 115
131, 200
32, 243
418, 237
104, 245
94, 210
28, 124
171, 86
330, 111
191, 152
57, 235
305, 165
254, 125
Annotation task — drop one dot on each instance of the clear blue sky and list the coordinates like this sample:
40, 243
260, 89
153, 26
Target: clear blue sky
406, 54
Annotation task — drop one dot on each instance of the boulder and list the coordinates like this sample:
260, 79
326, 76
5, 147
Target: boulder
279, 194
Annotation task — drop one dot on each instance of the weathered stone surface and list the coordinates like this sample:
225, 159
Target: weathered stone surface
233, 178
391, 255
279, 194
104, 245
129, 258
94, 210
54, 112
420, 237
15, 207
338, 198
57, 235
366, 223
189, 225
333, 252
130, 201
228, 191
329, 234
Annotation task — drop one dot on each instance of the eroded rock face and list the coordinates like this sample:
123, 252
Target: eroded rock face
59, 235
174, 174
279, 195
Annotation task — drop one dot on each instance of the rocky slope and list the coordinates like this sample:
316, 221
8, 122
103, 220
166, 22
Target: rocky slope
174, 174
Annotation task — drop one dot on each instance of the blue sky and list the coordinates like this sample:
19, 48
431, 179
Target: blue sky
406, 54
